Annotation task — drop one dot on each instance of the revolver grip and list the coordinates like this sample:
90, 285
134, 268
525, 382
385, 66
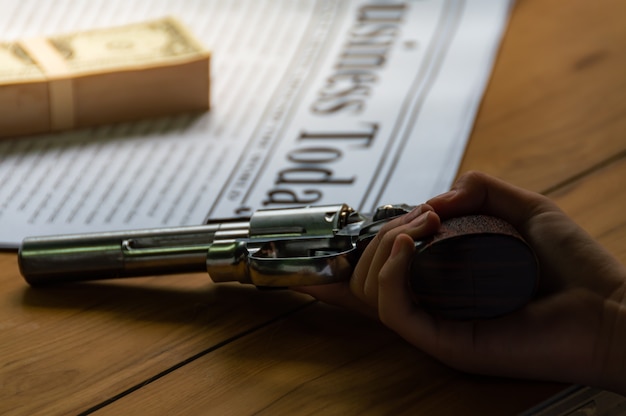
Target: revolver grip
475, 267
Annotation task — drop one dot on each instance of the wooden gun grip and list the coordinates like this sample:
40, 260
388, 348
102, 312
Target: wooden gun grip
475, 267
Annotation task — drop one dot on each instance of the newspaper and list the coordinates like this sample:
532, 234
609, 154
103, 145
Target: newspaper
366, 102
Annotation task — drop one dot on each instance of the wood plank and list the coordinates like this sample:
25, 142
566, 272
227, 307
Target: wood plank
322, 360
65, 349
556, 100
598, 203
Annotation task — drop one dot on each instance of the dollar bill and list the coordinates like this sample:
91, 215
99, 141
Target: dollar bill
16, 65
147, 43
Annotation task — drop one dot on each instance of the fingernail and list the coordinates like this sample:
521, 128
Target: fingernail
420, 219
395, 249
414, 213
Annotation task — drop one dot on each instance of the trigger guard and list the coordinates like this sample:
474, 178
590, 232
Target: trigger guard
303, 262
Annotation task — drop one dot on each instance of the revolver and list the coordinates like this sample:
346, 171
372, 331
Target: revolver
474, 267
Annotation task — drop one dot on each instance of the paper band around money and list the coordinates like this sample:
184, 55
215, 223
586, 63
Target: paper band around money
60, 84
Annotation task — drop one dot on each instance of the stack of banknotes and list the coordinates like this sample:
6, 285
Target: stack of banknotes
103, 76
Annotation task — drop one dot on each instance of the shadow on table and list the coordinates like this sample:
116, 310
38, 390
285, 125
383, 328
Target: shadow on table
161, 299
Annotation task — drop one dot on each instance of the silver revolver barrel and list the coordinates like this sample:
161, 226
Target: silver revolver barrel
277, 247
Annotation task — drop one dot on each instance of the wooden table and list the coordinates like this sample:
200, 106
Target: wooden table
553, 120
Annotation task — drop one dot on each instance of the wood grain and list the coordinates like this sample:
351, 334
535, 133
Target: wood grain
67, 348
324, 360
556, 101
553, 120
597, 202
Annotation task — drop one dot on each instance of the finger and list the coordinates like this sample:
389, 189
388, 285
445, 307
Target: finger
478, 193
425, 224
362, 268
338, 294
396, 308
449, 341
394, 300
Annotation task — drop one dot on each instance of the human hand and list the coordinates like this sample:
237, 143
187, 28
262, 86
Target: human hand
360, 293
575, 331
